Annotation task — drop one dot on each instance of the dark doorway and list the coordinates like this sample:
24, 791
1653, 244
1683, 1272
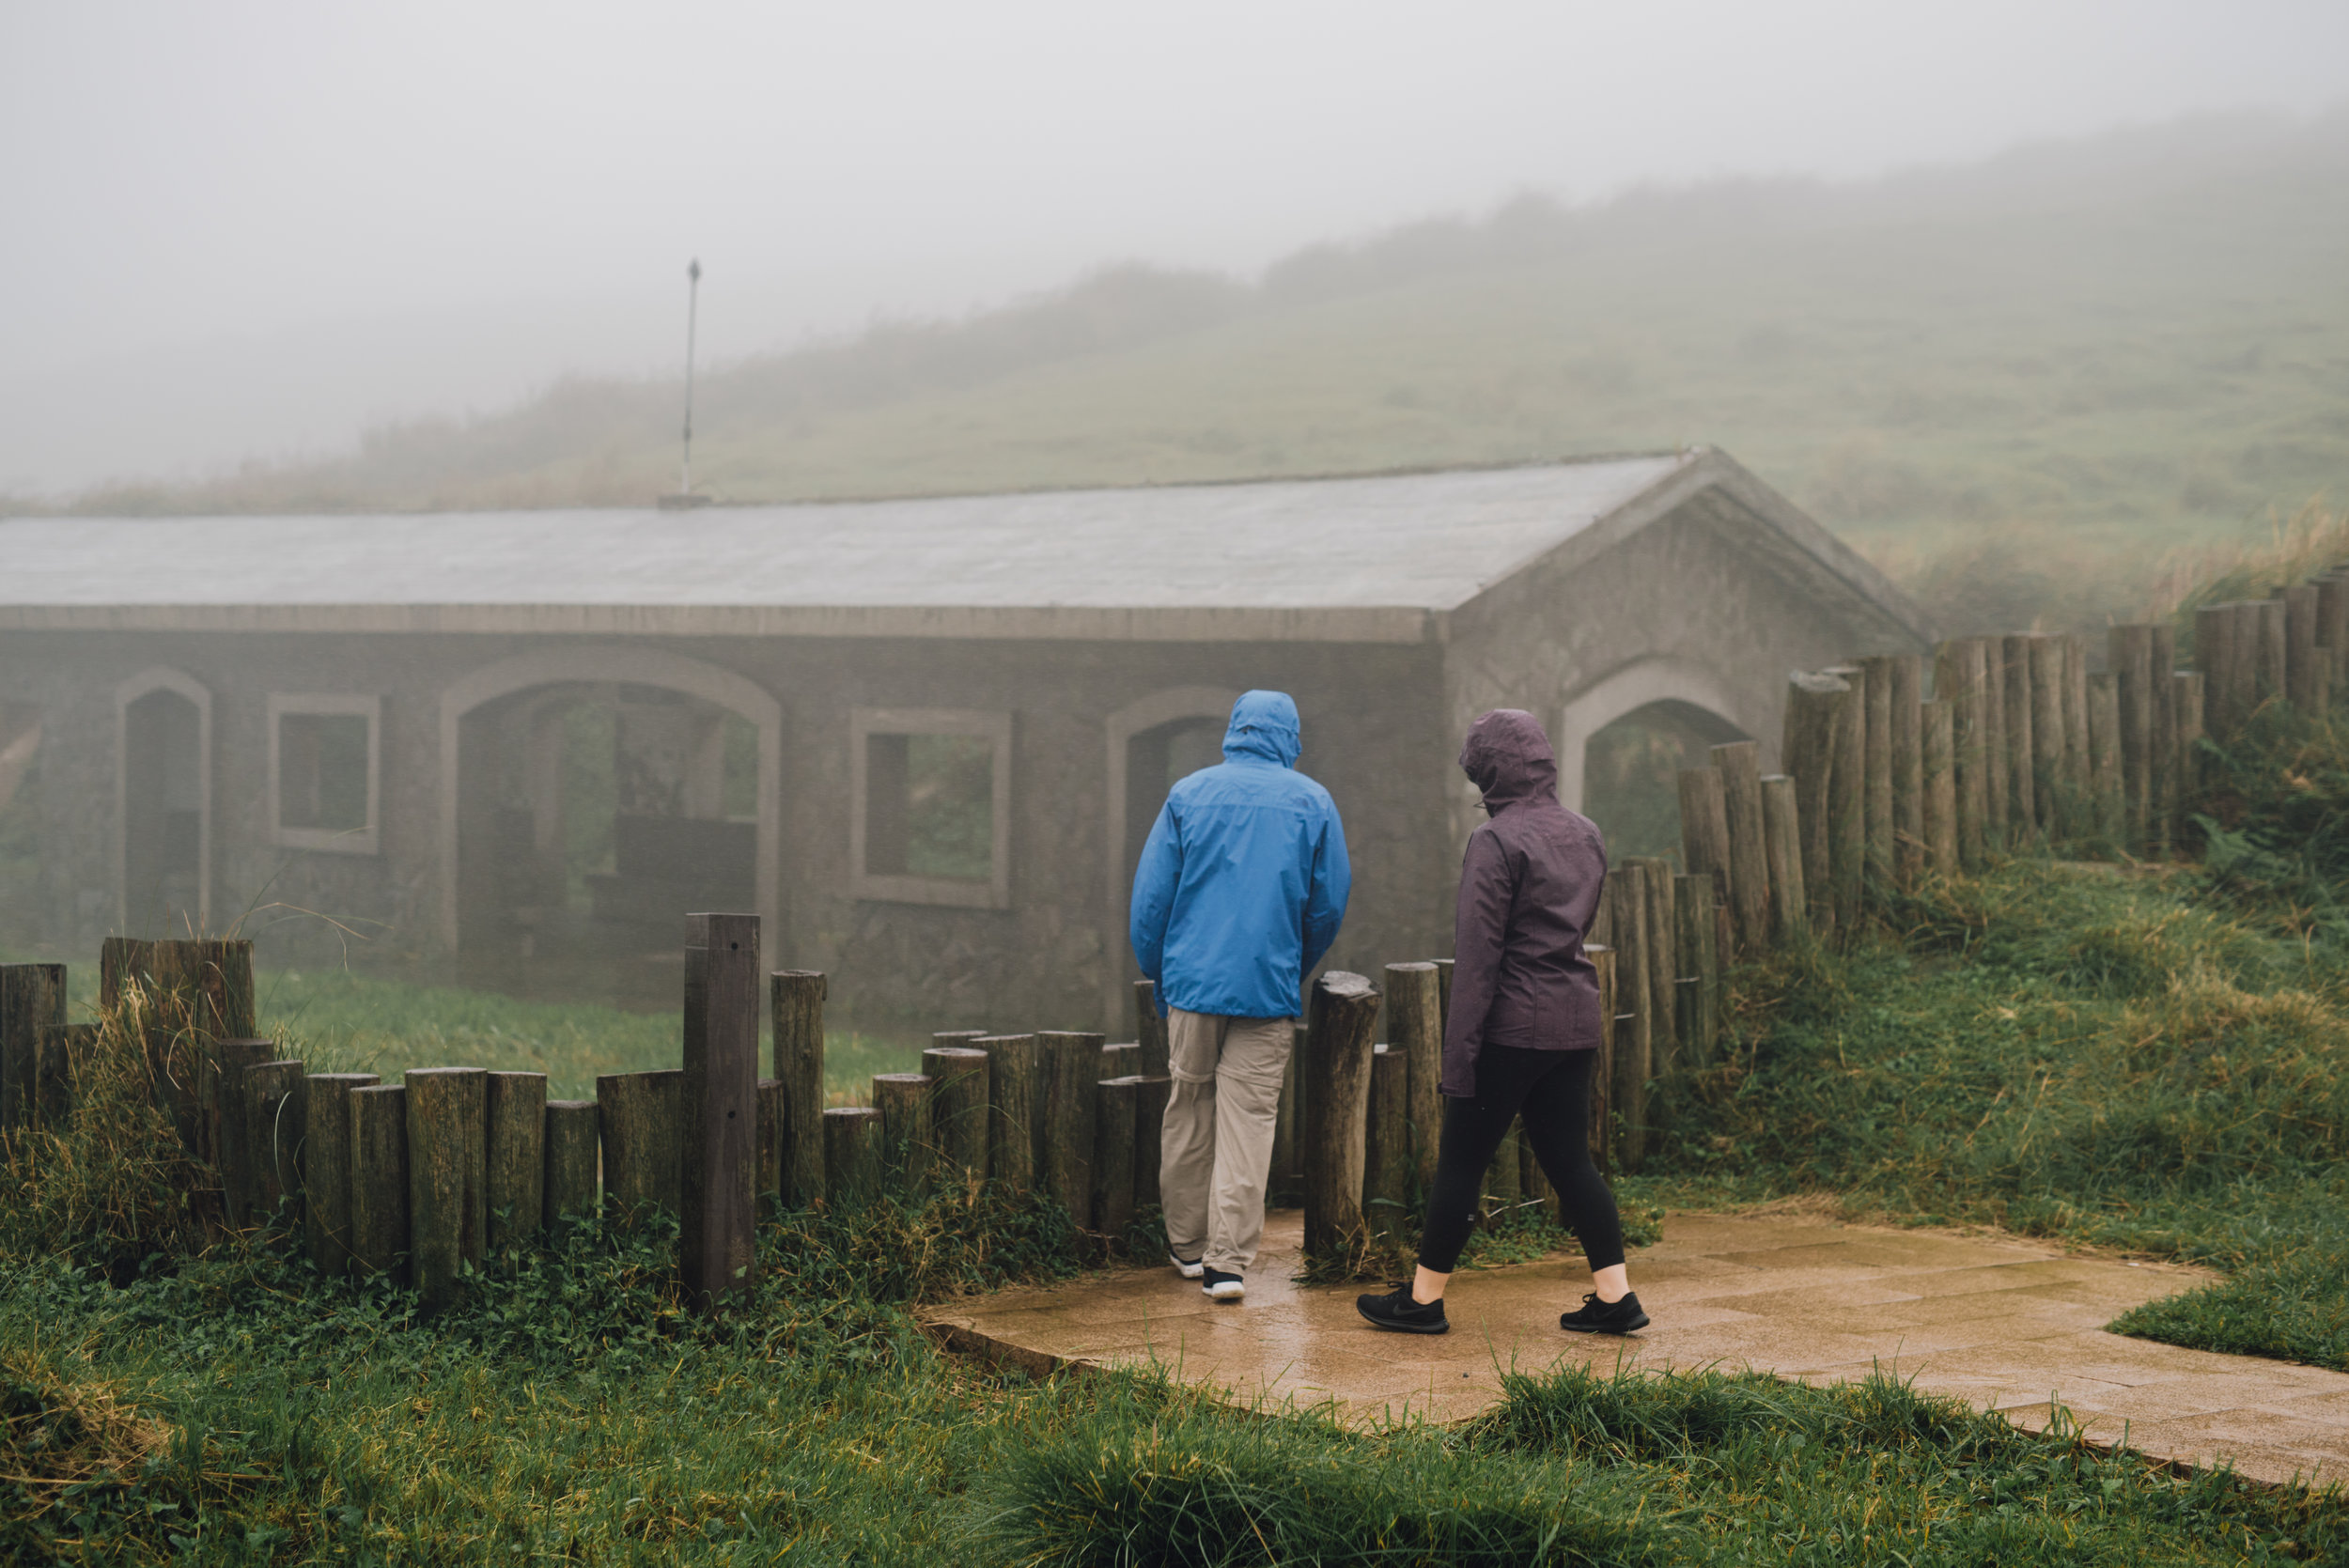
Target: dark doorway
163, 815
1631, 773
592, 817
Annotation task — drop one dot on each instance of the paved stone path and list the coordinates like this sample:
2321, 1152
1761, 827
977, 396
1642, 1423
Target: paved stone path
2006, 1325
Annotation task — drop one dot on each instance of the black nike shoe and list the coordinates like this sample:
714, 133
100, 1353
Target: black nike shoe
1221, 1286
1605, 1318
1402, 1314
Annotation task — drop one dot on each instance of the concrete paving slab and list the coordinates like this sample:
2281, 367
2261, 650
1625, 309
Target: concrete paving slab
2002, 1322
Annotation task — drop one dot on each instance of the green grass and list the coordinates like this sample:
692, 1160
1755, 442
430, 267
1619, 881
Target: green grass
2105, 1056
346, 1021
239, 1411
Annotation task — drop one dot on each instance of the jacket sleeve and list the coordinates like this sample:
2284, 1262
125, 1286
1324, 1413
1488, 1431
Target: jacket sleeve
1480, 931
1333, 884
1154, 881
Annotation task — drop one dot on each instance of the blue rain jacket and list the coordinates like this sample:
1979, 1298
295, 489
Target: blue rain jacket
1243, 883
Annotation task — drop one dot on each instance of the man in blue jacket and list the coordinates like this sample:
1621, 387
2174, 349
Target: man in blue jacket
1239, 893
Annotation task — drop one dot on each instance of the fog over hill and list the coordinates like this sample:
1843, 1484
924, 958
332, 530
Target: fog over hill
2139, 338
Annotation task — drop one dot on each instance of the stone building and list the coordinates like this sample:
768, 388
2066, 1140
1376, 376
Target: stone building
923, 738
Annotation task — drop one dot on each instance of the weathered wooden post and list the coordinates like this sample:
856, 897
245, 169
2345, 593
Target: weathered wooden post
2045, 655
717, 1114
1389, 1167
2300, 671
2022, 751
1658, 945
2106, 781
797, 998
200, 991
121, 959
2275, 663
515, 1159
65, 1052
273, 1133
2193, 696
1627, 896
854, 1159
447, 1193
2161, 808
768, 1182
32, 1000
326, 1168
2214, 656
1705, 828
572, 1140
229, 1127
379, 1180
1877, 764
637, 1116
1342, 1013
1959, 680
1150, 1098
1937, 786
903, 1100
1015, 1085
1072, 1069
1997, 817
1781, 838
1813, 705
958, 1105
1909, 852
1149, 1030
1117, 1102
2078, 798
2130, 657
1415, 1024
2332, 622
1739, 764
1847, 783
1602, 1130
1697, 986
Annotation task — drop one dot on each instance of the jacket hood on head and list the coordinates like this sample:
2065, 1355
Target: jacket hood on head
1264, 726
1508, 757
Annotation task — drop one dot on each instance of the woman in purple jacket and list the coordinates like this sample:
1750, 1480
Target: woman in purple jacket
1523, 1030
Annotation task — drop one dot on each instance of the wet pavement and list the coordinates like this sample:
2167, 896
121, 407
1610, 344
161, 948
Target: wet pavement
2006, 1325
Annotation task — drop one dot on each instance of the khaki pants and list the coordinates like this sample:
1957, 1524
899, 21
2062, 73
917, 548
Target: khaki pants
1216, 1145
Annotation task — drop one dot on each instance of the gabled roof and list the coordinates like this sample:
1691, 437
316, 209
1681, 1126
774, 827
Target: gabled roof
1349, 559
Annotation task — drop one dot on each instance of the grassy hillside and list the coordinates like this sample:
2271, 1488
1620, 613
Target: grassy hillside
2103, 349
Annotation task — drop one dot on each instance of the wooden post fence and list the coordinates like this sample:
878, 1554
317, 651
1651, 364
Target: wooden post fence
1342, 1013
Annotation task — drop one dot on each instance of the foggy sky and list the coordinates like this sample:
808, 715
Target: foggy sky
241, 228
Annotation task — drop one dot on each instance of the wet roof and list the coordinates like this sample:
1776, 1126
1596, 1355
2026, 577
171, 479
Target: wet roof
1426, 540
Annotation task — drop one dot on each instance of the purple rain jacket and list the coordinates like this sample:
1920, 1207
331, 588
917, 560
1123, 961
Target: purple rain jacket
1528, 888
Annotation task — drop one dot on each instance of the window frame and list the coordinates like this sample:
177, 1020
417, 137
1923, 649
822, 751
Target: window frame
338, 841
992, 726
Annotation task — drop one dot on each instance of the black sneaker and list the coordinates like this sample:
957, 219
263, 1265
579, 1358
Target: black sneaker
1223, 1286
1186, 1267
1401, 1314
1605, 1318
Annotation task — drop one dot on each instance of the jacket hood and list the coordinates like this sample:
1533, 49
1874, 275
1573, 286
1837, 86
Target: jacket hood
1508, 757
1264, 726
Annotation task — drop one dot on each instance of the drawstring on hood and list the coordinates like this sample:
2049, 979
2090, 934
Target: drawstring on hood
1508, 758
1263, 727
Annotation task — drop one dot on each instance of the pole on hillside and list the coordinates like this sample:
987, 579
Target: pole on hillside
692, 309
685, 497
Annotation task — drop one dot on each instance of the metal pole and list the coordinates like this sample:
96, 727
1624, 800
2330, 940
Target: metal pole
692, 300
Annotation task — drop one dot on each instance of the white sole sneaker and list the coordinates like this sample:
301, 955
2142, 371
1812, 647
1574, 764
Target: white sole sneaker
1224, 1290
1191, 1270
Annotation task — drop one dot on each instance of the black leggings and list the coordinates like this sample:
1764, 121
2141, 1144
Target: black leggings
1553, 1088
